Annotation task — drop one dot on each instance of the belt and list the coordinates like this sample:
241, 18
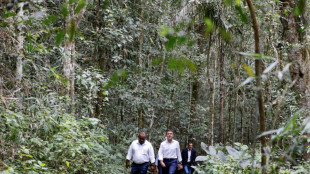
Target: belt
140, 164
169, 159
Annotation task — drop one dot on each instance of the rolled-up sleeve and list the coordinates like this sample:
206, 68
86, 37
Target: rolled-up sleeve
152, 155
160, 153
129, 153
179, 153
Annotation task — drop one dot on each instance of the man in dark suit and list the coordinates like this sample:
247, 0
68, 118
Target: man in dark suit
188, 158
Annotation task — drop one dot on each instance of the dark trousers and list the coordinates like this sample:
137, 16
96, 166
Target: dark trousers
171, 166
139, 168
187, 168
160, 171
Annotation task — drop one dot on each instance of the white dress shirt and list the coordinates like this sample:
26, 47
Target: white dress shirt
170, 150
189, 155
141, 153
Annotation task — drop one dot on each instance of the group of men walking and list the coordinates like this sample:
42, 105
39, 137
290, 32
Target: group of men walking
169, 160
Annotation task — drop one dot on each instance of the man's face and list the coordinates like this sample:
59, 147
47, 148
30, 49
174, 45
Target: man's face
169, 135
190, 146
142, 139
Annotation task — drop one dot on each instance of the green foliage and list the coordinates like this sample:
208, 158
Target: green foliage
71, 30
50, 19
300, 9
240, 160
53, 142
234, 161
80, 6
174, 36
59, 37
243, 16
137, 68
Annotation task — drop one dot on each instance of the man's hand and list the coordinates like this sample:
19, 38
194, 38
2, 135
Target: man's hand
152, 167
127, 164
156, 169
180, 167
162, 164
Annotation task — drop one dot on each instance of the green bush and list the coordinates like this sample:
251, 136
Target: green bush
52, 143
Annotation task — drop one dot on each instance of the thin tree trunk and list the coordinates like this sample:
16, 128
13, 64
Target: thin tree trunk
211, 98
229, 118
258, 67
221, 115
20, 44
72, 22
236, 96
241, 122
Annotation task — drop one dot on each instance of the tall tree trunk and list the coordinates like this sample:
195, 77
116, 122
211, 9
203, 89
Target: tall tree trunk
260, 101
300, 65
211, 81
72, 22
227, 134
241, 122
194, 101
99, 50
221, 115
236, 96
20, 44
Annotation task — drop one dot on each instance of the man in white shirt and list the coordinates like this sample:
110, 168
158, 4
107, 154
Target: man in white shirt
169, 154
141, 151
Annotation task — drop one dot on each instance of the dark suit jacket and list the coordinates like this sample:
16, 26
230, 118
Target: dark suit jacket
185, 157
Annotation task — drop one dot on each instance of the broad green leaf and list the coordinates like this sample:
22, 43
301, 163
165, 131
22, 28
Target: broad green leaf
67, 163
204, 147
212, 150
243, 16
222, 156
238, 2
225, 35
59, 37
233, 152
244, 163
171, 42
41, 164
9, 14
248, 80
80, 6
201, 158
164, 30
50, 19
270, 67
257, 56
248, 69
29, 156
157, 61
102, 139
64, 10
209, 26
300, 9
181, 40
72, 1
72, 30
292, 122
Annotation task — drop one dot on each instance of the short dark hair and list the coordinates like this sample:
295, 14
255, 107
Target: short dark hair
169, 130
190, 142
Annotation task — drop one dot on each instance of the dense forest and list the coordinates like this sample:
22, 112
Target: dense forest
79, 79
